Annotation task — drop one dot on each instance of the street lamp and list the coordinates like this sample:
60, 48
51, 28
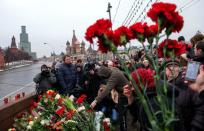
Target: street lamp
52, 49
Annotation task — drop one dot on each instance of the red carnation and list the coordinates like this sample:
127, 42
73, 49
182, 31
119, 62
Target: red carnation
138, 31
122, 35
101, 47
53, 118
50, 92
173, 48
31, 108
39, 97
81, 99
151, 32
168, 16
59, 101
69, 115
101, 29
34, 104
145, 76
89, 110
159, 8
106, 126
60, 111
97, 29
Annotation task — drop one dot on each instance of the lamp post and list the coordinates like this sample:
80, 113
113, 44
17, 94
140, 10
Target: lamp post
109, 13
52, 50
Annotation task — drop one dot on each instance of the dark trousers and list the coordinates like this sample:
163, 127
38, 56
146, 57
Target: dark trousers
122, 110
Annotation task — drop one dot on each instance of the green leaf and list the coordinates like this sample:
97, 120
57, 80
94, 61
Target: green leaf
123, 39
69, 104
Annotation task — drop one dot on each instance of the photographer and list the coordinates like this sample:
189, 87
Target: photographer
44, 80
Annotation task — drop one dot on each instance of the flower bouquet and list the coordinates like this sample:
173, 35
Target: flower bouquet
56, 112
166, 21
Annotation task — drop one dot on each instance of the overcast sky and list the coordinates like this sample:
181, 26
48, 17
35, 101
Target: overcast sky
52, 21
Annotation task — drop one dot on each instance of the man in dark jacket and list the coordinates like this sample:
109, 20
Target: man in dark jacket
191, 104
44, 80
91, 82
67, 75
115, 80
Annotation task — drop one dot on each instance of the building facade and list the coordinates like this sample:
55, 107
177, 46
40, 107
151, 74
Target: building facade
24, 44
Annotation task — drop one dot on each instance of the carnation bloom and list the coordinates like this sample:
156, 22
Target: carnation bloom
12, 129
106, 124
59, 101
122, 35
138, 31
34, 104
173, 48
151, 32
70, 114
57, 96
50, 92
145, 76
102, 47
97, 29
71, 98
81, 108
167, 16
60, 111
101, 29
81, 99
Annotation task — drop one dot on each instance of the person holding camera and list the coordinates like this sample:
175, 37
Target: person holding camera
44, 80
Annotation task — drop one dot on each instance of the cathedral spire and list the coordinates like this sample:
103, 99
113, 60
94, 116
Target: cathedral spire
74, 39
13, 42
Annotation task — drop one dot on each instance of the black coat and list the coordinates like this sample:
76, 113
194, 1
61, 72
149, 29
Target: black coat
190, 107
91, 89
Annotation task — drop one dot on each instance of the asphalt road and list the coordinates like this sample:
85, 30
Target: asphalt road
19, 80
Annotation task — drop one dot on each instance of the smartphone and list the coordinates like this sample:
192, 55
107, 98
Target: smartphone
192, 70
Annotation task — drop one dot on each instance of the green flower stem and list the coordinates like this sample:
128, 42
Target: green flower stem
141, 97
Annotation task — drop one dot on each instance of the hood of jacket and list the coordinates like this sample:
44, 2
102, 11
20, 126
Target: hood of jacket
104, 72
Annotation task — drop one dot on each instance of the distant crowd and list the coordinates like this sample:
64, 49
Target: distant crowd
108, 87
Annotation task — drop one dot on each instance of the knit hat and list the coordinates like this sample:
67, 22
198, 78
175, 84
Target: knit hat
43, 67
171, 62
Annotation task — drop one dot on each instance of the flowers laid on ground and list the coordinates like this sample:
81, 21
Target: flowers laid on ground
56, 112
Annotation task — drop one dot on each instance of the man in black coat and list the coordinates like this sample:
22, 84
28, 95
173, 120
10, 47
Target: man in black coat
67, 75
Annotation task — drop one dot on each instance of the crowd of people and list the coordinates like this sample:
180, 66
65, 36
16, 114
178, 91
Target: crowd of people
108, 87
